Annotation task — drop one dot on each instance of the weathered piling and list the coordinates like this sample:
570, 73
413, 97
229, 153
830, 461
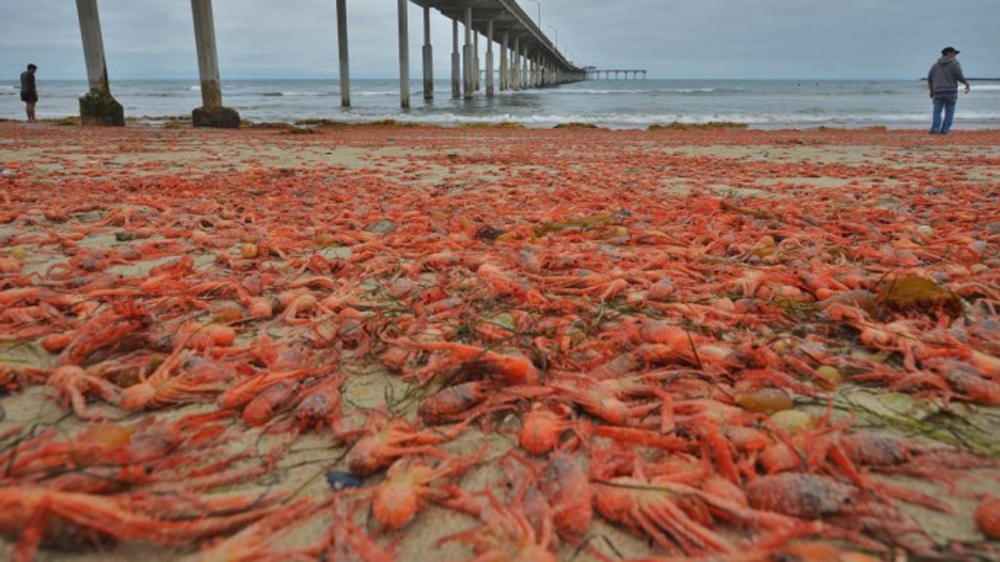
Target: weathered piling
345, 64
489, 61
469, 82
504, 62
456, 63
97, 106
211, 113
428, 57
404, 55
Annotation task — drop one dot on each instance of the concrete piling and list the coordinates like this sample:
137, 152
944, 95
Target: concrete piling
504, 62
469, 82
345, 65
428, 57
97, 106
475, 59
456, 63
211, 113
515, 62
489, 60
404, 54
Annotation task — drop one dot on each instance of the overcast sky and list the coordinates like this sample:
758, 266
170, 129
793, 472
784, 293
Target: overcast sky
796, 39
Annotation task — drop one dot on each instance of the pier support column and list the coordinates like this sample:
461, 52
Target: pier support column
504, 64
489, 60
469, 82
211, 113
404, 54
456, 63
515, 65
525, 77
345, 61
475, 59
428, 58
98, 106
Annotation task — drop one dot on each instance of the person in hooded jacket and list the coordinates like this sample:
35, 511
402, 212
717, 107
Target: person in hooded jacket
943, 80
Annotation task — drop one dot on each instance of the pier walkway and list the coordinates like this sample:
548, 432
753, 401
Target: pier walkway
528, 58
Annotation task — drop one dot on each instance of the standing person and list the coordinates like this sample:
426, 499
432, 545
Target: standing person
29, 93
943, 80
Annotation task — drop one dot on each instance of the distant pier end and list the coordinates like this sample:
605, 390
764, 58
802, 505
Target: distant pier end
594, 73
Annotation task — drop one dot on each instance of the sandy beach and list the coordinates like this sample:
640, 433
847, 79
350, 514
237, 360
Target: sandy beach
822, 279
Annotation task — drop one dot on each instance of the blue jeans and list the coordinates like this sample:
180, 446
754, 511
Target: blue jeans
945, 101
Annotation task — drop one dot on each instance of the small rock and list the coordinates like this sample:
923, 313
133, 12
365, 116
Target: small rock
342, 480
488, 233
381, 227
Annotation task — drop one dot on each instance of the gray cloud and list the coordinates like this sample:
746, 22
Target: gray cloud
706, 39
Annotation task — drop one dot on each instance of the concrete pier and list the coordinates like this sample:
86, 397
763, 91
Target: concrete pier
97, 106
211, 113
345, 62
528, 59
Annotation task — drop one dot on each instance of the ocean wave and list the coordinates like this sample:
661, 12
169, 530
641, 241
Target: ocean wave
378, 93
642, 91
642, 120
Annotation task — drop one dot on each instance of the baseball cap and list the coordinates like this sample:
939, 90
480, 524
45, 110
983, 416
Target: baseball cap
947, 50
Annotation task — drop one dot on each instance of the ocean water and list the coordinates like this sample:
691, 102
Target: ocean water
619, 104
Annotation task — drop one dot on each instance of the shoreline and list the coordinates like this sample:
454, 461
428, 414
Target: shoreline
619, 105
184, 122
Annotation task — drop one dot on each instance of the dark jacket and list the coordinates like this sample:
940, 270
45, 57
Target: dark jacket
945, 75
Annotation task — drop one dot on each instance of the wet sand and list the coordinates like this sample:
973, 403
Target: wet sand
613, 170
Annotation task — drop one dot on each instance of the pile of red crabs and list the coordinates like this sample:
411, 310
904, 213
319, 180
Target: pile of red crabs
306, 364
